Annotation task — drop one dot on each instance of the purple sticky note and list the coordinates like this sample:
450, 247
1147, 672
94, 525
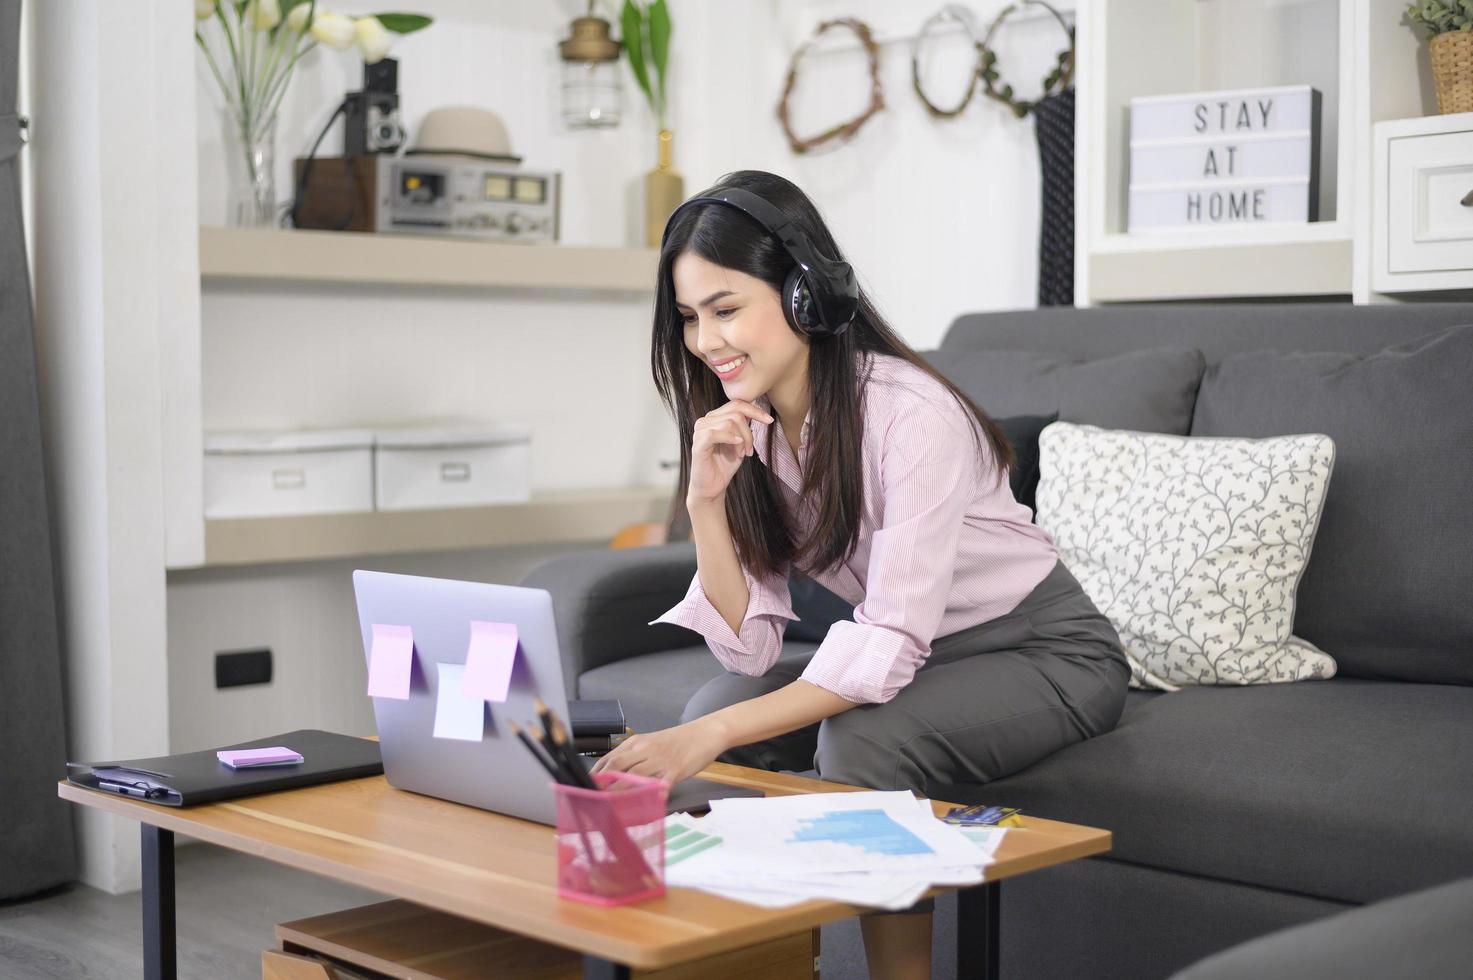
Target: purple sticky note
389, 662
276, 755
488, 660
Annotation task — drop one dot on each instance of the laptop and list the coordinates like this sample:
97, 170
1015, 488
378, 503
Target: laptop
496, 773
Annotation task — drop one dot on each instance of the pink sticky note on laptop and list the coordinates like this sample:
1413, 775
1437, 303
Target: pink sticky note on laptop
389, 661
489, 660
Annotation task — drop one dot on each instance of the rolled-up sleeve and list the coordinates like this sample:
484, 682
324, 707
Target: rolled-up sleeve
928, 477
756, 648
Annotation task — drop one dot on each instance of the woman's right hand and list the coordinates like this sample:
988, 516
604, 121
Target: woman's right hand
722, 439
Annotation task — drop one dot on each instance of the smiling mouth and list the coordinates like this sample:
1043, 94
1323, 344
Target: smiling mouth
729, 367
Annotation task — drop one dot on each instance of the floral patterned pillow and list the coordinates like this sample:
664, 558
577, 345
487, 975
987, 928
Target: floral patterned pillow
1192, 547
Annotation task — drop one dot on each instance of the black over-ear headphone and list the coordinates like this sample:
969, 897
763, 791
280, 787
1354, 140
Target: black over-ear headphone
820, 296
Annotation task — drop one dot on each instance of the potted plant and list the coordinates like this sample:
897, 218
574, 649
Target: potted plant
646, 43
1449, 26
252, 47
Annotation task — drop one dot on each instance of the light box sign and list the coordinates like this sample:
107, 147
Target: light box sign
1209, 159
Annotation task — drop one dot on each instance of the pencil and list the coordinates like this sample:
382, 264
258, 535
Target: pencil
560, 751
559, 739
627, 856
541, 756
558, 775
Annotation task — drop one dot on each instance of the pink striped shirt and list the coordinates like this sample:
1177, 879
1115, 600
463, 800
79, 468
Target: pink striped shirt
940, 549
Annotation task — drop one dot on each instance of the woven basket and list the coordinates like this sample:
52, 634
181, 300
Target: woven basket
1452, 70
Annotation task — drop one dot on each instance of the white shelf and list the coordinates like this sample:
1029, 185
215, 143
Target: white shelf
272, 255
565, 516
1277, 234
1222, 271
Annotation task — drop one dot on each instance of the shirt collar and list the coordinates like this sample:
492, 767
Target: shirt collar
759, 431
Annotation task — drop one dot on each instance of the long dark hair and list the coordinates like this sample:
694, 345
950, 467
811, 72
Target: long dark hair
764, 541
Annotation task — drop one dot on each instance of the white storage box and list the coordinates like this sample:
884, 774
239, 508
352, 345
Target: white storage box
263, 474
456, 466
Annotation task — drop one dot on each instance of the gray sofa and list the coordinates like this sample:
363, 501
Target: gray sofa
1427, 935
1236, 811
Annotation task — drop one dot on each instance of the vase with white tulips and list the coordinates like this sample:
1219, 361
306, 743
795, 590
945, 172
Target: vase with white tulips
252, 56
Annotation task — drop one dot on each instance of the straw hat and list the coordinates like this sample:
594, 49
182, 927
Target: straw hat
464, 131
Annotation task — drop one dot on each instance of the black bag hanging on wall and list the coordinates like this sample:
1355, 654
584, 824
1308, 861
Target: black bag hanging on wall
1054, 119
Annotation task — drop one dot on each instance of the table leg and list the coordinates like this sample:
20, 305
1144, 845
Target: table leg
597, 969
978, 918
160, 956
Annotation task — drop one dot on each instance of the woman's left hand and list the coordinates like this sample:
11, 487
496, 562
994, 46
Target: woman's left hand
672, 753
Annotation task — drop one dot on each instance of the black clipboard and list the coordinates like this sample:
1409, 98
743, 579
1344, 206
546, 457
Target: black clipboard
199, 777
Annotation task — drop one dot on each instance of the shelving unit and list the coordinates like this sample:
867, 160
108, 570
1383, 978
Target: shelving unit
285, 256
1357, 53
272, 258
581, 515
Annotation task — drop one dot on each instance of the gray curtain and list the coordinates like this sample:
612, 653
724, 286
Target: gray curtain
36, 843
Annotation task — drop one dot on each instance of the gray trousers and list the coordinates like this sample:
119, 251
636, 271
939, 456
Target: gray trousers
991, 700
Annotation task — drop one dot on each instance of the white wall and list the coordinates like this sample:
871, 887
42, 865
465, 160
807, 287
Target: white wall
940, 218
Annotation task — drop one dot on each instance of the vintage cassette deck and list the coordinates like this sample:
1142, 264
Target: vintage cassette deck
423, 194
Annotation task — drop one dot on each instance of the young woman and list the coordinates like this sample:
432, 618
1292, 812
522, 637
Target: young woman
814, 438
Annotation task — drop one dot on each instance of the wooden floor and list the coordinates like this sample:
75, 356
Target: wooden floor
229, 903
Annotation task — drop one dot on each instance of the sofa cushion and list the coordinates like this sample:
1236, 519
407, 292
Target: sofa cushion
1350, 790
653, 688
1192, 547
1425, 934
817, 609
1148, 390
1022, 433
1387, 591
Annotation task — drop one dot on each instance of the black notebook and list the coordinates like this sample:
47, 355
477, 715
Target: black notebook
199, 777
596, 717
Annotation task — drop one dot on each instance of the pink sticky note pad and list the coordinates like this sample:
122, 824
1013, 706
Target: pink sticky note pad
389, 661
489, 660
276, 755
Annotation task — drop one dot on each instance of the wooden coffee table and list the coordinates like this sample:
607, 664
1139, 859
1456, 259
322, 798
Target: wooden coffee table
501, 871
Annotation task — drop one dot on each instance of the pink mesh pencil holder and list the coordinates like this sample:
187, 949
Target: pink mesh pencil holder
611, 841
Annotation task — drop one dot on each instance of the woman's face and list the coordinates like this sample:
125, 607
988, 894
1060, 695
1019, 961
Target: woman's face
735, 322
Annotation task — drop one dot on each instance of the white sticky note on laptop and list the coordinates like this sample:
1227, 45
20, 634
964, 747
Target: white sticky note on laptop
457, 716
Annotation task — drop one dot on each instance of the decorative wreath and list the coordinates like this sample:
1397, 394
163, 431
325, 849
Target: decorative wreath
844, 131
1056, 80
963, 17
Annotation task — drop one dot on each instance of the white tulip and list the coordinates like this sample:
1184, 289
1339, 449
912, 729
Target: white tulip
204, 9
372, 39
296, 21
333, 30
268, 14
